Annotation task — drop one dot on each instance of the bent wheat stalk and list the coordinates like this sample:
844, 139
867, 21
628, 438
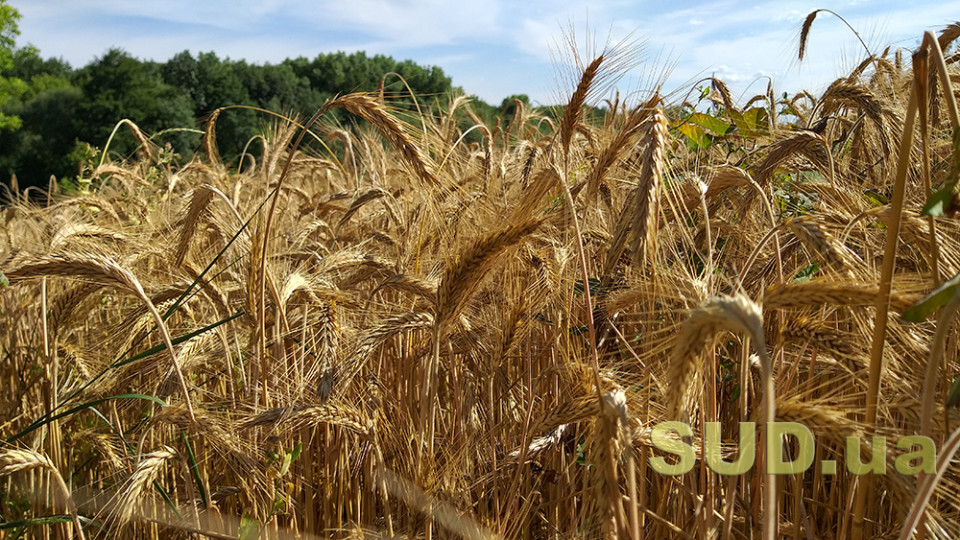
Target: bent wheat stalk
109, 272
736, 314
13, 460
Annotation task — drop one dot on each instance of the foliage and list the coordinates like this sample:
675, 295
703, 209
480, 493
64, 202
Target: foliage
11, 86
64, 109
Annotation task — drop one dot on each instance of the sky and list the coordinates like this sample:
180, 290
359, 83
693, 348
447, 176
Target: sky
497, 48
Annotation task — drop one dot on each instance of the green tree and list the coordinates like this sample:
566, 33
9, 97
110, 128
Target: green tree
47, 106
42, 147
213, 83
340, 73
278, 88
10, 86
117, 86
28, 64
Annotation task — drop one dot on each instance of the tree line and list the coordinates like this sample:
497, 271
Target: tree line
60, 115
54, 118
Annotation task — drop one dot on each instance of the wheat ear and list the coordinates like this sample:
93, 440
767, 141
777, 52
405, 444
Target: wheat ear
814, 293
611, 154
737, 314
198, 203
571, 113
812, 235
102, 269
140, 482
462, 276
209, 139
13, 460
366, 106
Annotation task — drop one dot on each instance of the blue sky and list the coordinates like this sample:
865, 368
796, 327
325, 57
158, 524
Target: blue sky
497, 48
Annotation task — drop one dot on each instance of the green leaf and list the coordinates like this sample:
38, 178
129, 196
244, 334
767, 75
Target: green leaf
696, 136
249, 528
176, 341
710, 123
289, 458
875, 198
194, 468
953, 397
40, 423
933, 301
743, 126
806, 273
579, 330
278, 504
166, 499
541, 318
4, 282
581, 452
939, 201
752, 123
594, 286
46, 520
757, 118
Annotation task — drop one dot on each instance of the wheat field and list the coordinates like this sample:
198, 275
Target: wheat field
411, 329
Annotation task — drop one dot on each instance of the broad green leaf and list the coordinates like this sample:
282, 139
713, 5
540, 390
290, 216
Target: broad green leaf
581, 452
743, 126
594, 286
806, 273
579, 330
933, 301
541, 318
696, 135
710, 123
289, 458
752, 123
249, 528
757, 118
953, 397
4, 282
939, 201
